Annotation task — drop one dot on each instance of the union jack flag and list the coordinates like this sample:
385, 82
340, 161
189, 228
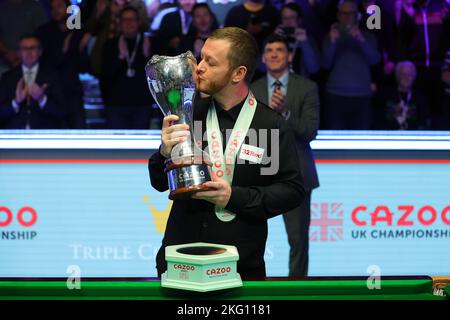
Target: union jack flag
326, 222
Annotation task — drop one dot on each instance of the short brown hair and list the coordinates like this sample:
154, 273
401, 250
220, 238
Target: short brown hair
243, 48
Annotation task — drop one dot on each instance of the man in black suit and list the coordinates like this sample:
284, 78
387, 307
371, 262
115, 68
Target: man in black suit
258, 17
296, 99
31, 93
173, 26
259, 179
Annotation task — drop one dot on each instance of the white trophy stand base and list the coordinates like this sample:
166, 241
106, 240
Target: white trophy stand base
201, 267
200, 287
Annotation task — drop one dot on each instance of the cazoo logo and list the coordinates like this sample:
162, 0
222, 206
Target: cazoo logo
26, 217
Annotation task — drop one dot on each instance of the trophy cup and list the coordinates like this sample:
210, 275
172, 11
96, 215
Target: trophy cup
171, 83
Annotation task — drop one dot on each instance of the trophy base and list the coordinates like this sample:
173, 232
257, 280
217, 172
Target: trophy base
200, 287
187, 192
187, 177
201, 267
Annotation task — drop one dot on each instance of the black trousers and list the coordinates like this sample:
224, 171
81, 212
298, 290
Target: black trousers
297, 223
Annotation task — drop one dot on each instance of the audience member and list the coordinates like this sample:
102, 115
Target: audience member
125, 92
428, 41
102, 25
306, 59
442, 121
296, 99
258, 17
318, 16
349, 54
31, 93
203, 23
173, 26
403, 107
60, 50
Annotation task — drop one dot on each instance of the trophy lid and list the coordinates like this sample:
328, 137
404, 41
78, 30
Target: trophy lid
179, 67
186, 55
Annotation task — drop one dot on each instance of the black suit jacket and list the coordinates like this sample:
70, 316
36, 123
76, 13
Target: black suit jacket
49, 117
303, 103
170, 28
68, 64
255, 197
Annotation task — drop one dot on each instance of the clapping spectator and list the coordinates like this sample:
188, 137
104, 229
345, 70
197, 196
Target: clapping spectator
125, 93
349, 54
103, 25
31, 93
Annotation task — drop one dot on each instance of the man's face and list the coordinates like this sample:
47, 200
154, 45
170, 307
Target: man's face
276, 57
202, 20
59, 9
30, 51
187, 5
129, 23
213, 71
289, 18
406, 77
347, 14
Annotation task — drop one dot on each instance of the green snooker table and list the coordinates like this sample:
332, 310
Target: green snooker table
339, 288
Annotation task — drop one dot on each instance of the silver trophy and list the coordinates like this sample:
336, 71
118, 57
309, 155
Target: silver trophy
171, 83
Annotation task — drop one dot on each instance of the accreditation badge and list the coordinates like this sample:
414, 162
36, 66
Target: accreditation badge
131, 73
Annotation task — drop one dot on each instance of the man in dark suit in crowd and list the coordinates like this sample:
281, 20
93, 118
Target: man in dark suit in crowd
31, 93
173, 26
258, 17
296, 99
203, 23
60, 50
